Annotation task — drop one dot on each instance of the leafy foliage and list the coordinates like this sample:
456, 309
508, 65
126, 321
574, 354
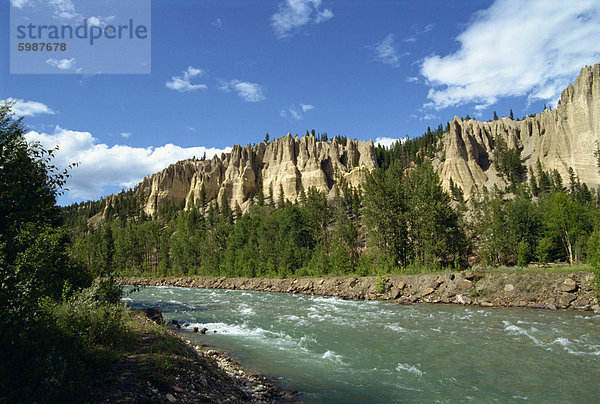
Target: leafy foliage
46, 355
410, 218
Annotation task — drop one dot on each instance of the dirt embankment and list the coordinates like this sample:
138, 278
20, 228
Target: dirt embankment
162, 367
551, 290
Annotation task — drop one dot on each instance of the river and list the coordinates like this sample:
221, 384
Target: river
334, 350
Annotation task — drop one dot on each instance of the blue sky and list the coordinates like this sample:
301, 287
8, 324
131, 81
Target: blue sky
227, 72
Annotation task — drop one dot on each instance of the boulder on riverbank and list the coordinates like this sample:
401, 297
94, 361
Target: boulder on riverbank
154, 314
550, 290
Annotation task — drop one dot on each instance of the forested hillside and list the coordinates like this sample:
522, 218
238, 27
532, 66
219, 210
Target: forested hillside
401, 220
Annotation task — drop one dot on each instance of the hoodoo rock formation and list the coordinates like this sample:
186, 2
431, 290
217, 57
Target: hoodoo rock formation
289, 163
562, 138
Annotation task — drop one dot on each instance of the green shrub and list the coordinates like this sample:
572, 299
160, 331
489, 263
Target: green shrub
381, 283
93, 316
593, 256
544, 250
523, 254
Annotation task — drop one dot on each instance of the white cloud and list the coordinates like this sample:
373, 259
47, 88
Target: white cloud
125, 135
250, 92
218, 23
290, 113
101, 165
388, 141
323, 16
28, 108
64, 64
529, 48
99, 21
385, 51
429, 117
412, 79
19, 3
295, 113
61, 9
183, 83
94, 21
294, 14
64, 9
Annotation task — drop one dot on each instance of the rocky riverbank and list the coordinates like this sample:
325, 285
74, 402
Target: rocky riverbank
162, 366
549, 290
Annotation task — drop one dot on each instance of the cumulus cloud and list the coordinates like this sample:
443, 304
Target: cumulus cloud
249, 92
99, 21
61, 9
388, 141
64, 9
295, 113
290, 113
294, 14
101, 165
19, 3
529, 48
183, 83
125, 135
385, 51
64, 64
27, 108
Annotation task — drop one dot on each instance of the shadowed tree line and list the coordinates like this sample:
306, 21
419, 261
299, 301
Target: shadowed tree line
400, 221
55, 324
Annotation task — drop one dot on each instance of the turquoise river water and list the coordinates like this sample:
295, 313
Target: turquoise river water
334, 350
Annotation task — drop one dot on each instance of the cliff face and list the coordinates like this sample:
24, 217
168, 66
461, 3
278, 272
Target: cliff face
560, 138
289, 163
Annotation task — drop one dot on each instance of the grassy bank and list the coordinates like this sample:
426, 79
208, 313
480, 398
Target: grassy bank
91, 348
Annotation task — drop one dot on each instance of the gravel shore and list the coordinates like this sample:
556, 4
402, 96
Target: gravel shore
546, 290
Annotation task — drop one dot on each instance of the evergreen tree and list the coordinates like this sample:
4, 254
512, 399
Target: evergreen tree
226, 211
533, 185
238, 211
106, 252
495, 116
281, 201
260, 195
385, 212
202, 198
302, 195
271, 196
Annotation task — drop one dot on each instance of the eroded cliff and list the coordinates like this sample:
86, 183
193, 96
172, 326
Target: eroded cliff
289, 163
564, 137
